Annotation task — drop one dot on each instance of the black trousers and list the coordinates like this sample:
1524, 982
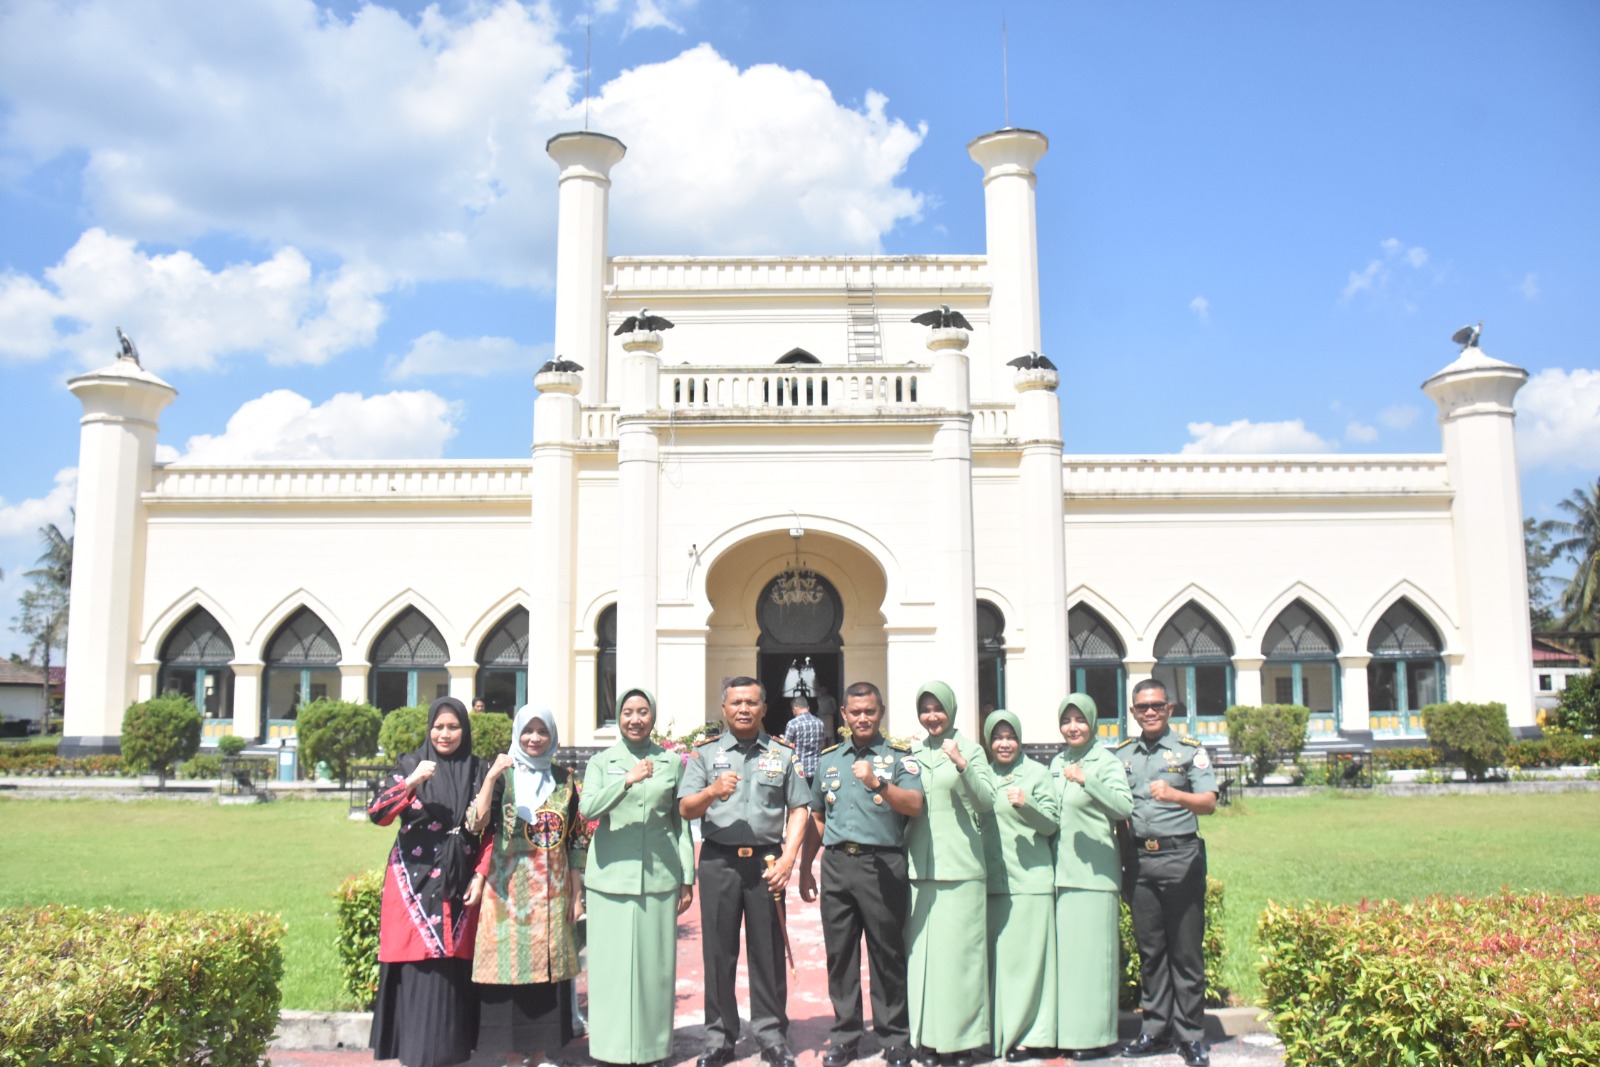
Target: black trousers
1168, 908
734, 893
866, 895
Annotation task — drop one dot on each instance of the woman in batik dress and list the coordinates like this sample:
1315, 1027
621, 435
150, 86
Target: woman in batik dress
531, 892
426, 1013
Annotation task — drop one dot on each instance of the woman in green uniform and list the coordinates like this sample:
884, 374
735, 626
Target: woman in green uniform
640, 878
1017, 841
945, 932
1094, 796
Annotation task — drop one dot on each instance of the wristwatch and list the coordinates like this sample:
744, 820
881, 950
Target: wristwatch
883, 783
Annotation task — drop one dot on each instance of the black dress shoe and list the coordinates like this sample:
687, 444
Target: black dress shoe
717, 1058
898, 1056
839, 1055
1146, 1045
1194, 1053
777, 1056
1104, 1052
956, 1059
1018, 1055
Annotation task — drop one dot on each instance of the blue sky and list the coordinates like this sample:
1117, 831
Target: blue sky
331, 226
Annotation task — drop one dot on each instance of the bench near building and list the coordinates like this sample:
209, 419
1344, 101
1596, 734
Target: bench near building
798, 482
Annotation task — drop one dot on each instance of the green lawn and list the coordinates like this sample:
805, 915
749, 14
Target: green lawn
288, 857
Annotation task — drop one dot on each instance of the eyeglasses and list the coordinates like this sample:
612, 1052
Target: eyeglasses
1160, 706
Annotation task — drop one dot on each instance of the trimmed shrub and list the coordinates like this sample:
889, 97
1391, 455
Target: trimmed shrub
491, 734
403, 730
159, 733
1405, 759
1578, 709
1266, 735
1216, 948
203, 765
82, 986
1507, 979
231, 745
338, 733
1554, 750
360, 905
1474, 737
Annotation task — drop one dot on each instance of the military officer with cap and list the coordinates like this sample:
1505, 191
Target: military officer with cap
746, 789
864, 792
1172, 782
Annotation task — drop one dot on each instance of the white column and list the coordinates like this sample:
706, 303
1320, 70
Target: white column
247, 715
586, 160
1474, 396
638, 486
1045, 676
460, 685
1008, 158
953, 581
1355, 704
353, 682
911, 657
116, 454
1247, 680
553, 482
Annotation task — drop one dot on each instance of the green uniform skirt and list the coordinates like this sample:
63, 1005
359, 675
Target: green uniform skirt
633, 975
1086, 983
947, 935
1022, 970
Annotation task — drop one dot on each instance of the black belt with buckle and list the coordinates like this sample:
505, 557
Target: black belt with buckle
1161, 844
851, 848
744, 852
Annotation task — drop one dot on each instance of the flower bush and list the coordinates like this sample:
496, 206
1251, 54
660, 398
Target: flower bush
1439, 982
1216, 948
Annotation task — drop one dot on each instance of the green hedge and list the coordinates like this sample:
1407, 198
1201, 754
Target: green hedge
1405, 759
1216, 948
403, 730
1474, 737
1266, 736
1439, 982
98, 988
1555, 750
360, 905
338, 733
160, 732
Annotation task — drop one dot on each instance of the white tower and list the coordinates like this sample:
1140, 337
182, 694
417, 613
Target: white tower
1008, 158
116, 453
1474, 395
586, 160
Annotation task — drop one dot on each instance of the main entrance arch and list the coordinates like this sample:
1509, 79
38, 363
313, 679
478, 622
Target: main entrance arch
778, 600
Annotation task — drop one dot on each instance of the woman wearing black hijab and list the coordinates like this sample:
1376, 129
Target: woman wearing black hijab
427, 1011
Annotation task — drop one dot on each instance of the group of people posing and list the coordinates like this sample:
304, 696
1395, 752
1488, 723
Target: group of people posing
984, 884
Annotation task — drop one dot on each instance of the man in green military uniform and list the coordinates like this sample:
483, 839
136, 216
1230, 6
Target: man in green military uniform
863, 793
746, 789
1172, 783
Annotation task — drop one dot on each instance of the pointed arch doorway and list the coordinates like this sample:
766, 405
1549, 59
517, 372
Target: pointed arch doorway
799, 652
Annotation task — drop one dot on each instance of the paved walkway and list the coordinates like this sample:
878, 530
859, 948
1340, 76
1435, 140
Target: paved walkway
809, 1015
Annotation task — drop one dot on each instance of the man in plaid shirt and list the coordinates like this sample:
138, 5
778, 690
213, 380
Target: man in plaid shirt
805, 734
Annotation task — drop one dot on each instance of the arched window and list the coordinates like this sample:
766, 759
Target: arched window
1194, 660
302, 666
1406, 673
197, 661
503, 664
408, 661
605, 668
991, 660
1302, 666
1096, 654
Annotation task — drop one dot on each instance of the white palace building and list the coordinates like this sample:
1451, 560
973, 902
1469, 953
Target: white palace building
798, 476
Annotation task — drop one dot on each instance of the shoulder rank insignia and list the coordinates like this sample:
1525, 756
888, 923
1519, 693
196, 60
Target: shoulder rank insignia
898, 747
830, 748
1124, 743
707, 740
1189, 741
783, 742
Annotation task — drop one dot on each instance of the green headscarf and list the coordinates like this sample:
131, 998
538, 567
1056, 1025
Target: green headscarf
1091, 714
996, 717
622, 698
945, 696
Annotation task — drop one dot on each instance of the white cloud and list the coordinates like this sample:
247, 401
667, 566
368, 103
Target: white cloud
1558, 419
1399, 416
283, 425
1376, 275
434, 353
1360, 433
1529, 286
1201, 308
182, 314
1242, 435
648, 15
419, 143
25, 517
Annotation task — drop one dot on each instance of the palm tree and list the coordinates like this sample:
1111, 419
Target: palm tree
46, 605
1580, 543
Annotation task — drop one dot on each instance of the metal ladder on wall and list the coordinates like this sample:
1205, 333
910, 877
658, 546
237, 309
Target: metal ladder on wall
863, 342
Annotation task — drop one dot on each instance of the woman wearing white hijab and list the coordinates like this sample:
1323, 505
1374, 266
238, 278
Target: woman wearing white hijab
531, 889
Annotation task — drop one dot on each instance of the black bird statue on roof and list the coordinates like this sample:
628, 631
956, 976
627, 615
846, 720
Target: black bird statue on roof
1031, 361
642, 321
1467, 336
942, 318
560, 363
129, 351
